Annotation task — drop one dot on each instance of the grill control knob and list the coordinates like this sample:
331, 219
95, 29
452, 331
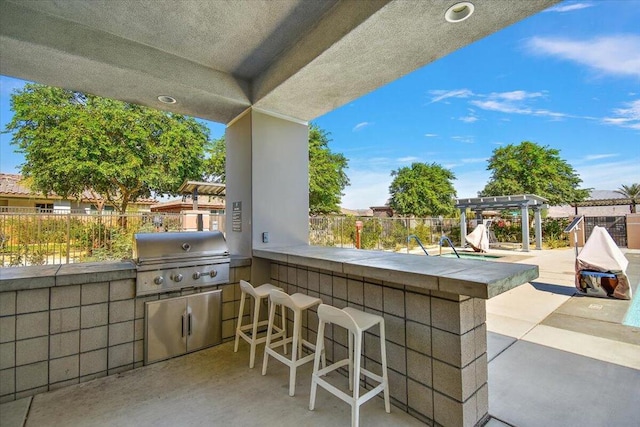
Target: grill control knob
177, 277
196, 275
158, 280
213, 273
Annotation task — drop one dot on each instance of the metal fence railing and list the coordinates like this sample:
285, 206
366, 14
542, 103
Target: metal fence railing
37, 238
380, 233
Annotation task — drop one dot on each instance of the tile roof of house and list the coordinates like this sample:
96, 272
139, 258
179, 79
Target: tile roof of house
604, 194
356, 212
12, 184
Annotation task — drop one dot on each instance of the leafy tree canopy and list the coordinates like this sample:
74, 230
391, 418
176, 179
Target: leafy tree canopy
214, 166
631, 192
422, 190
529, 168
74, 142
327, 178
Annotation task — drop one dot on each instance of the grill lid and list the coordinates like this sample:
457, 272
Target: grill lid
151, 247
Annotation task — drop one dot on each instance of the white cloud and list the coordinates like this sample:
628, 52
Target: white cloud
612, 55
628, 117
569, 7
468, 119
368, 188
430, 135
408, 159
474, 160
440, 95
468, 184
516, 95
465, 139
517, 102
361, 126
599, 176
599, 156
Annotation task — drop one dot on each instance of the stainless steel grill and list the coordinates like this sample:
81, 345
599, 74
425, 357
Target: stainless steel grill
173, 261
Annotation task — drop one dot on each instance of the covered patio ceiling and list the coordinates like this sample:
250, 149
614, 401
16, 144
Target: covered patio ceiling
297, 58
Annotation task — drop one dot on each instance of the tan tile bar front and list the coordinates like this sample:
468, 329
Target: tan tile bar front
435, 316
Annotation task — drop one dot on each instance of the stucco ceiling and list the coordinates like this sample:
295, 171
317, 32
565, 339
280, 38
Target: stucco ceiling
298, 58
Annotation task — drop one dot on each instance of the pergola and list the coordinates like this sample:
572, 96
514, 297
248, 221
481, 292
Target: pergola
601, 202
196, 188
522, 201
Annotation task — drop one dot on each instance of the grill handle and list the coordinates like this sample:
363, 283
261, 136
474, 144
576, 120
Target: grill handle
182, 326
189, 325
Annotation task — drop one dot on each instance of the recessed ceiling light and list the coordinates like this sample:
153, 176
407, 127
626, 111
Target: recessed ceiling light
459, 12
167, 99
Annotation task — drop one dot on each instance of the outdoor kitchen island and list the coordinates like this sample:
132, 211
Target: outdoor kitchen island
434, 311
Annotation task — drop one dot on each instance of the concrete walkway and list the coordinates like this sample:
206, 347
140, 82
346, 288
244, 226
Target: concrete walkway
555, 360
560, 359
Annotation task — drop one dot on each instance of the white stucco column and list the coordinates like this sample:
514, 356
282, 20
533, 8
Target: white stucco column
538, 226
463, 227
267, 184
525, 227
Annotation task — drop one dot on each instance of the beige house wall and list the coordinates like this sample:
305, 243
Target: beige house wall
59, 205
633, 231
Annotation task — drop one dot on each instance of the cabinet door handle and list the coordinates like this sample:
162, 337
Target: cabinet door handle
189, 323
182, 326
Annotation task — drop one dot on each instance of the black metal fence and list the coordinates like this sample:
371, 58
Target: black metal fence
616, 226
30, 238
37, 238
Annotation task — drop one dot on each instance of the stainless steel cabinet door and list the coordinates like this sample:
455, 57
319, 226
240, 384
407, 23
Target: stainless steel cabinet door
166, 329
204, 320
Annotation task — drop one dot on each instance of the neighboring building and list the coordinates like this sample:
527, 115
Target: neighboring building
356, 212
599, 203
16, 196
382, 211
212, 204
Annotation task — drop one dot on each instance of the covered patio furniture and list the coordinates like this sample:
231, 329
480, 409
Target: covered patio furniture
601, 267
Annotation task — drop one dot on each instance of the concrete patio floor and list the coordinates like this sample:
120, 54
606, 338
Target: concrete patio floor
555, 360
560, 359
210, 387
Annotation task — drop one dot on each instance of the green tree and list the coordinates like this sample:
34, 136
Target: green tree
422, 190
214, 166
327, 178
74, 142
630, 192
529, 168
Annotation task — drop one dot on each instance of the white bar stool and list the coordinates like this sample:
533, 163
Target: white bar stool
259, 293
296, 303
356, 322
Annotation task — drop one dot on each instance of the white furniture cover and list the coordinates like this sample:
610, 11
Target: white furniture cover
478, 238
600, 253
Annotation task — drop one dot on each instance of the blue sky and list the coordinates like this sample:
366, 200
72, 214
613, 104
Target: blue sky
567, 78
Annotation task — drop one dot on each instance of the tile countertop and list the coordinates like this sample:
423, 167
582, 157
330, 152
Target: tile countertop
479, 279
47, 276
